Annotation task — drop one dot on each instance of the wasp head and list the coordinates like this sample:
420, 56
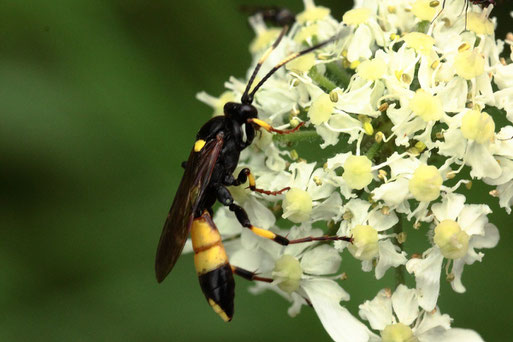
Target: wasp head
240, 112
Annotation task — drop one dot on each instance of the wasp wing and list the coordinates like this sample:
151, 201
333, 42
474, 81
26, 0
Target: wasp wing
179, 220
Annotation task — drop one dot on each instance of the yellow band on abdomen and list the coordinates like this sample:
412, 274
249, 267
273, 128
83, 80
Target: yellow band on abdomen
210, 259
209, 252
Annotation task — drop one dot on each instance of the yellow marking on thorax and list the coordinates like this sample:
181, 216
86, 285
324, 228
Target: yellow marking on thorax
209, 252
218, 310
198, 145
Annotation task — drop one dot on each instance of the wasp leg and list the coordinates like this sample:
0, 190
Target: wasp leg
225, 197
270, 128
246, 174
249, 275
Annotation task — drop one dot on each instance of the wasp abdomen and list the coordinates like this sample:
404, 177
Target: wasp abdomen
212, 266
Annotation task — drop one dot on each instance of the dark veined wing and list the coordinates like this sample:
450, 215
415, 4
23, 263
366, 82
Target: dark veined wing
179, 220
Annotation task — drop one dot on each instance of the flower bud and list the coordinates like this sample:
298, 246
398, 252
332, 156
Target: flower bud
321, 109
357, 172
398, 332
287, 273
452, 241
478, 126
426, 183
365, 242
297, 205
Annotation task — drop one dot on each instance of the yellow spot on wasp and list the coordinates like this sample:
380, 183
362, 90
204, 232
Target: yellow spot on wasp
198, 145
218, 310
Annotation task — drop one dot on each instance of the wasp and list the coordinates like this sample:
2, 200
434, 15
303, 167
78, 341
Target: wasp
274, 15
482, 3
208, 172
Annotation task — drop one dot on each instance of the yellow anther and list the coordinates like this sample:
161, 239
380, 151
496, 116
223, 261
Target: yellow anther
295, 82
401, 237
435, 64
382, 174
420, 146
294, 122
317, 180
494, 193
383, 107
344, 53
451, 175
347, 215
434, 3
294, 155
367, 127
379, 136
416, 226
394, 36
385, 210
354, 64
406, 78
439, 135
334, 96
463, 47
391, 9
344, 276
468, 185
198, 145
398, 74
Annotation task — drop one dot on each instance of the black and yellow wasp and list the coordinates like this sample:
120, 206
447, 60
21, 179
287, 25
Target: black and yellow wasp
208, 172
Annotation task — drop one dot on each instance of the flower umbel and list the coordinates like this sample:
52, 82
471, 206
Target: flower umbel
400, 117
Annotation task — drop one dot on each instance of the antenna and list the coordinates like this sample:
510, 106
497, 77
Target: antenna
245, 98
287, 59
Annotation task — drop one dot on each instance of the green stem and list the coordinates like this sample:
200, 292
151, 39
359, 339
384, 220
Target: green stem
373, 150
341, 74
301, 135
400, 270
322, 80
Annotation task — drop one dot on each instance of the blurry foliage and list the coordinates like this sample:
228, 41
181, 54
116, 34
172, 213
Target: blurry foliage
97, 111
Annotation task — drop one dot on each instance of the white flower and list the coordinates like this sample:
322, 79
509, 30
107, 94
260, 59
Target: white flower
301, 272
398, 318
459, 230
369, 241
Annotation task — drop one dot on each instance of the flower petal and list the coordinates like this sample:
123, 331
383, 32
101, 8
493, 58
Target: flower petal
325, 296
405, 304
321, 260
427, 275
388, 257
378, 311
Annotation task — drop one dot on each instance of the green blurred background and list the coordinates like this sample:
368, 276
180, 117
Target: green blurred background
98, 109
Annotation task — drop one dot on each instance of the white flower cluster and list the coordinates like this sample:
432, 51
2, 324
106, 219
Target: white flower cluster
408, 112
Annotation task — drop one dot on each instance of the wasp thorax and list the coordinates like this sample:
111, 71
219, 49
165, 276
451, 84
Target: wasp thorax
240, 111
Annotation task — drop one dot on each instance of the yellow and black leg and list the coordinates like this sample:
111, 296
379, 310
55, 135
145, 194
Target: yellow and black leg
224, 196
246, 175
214, 271
270, 129
242, 217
